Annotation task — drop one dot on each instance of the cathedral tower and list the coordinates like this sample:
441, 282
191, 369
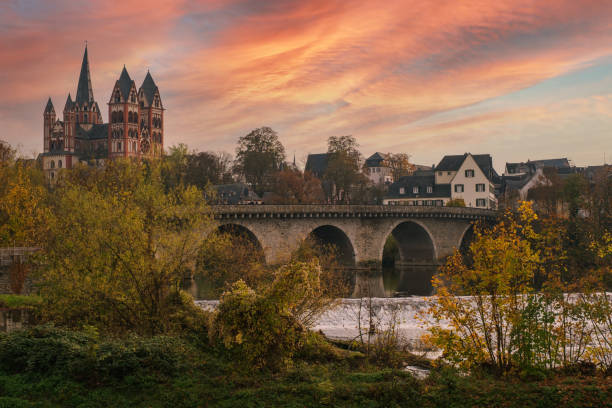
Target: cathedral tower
69, 124
48, 122
151, 118
123, 113
86, 108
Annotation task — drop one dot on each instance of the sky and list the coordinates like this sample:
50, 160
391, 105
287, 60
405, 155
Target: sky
519, 79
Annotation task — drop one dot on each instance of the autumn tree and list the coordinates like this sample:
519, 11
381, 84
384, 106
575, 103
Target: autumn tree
23, 201
343, 167
205, 168
400, 164
118, 247
258, 156
291, 186
501, 272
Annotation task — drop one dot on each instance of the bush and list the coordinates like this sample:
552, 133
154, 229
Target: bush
267, 329
81, 355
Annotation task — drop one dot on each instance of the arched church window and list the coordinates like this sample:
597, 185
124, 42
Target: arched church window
133, 146
52, 164
59, 164
85, 117
118, 146
129, 117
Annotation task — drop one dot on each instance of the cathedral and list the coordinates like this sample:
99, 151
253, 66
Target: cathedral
135, 128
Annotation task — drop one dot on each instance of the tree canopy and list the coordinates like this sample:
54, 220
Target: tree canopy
259, 154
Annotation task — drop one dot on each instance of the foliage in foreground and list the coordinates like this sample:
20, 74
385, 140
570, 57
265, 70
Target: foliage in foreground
506, 322
118, 247
269, 327
48, 367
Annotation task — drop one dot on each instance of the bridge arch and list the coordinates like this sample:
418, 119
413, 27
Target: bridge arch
328, 234
414, 239
240, 231
467, 237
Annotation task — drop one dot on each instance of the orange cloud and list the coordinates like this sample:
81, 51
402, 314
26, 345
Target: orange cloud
311, 69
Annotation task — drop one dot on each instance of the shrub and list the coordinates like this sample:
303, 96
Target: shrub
267, 329
82, 355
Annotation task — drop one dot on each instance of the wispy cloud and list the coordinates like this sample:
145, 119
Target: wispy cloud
405, 75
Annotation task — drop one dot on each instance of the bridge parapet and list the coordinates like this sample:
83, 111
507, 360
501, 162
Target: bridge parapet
350, 211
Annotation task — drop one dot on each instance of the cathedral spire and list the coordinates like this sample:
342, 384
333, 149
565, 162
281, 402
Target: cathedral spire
84, 90
49, 107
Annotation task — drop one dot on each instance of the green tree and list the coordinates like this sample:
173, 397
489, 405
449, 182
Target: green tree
343, 168
118, 247
258, 156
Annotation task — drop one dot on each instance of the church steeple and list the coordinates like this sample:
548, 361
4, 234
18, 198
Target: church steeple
49, 107
84, 91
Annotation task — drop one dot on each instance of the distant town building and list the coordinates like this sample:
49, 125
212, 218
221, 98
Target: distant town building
467, 177
377, 169
135, 128
519, 178
317, 164
236, 194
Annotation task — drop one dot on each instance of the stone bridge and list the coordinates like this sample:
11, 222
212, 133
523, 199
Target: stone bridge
424, 234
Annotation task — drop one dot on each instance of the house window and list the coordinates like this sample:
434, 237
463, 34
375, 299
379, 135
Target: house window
429, 189
458, 188
440, 173
402, 190
480, 187
481, 202
469, 173
415, 190
448, 173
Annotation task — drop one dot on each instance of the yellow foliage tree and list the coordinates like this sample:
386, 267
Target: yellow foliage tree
483, 300
119, 246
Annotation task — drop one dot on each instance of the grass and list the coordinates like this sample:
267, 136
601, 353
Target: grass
19, 302
173, 372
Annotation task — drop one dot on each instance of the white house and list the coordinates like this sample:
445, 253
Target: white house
377, 169
468, 177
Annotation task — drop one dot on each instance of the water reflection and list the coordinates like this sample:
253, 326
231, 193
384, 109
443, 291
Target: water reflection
395, 281
390, 281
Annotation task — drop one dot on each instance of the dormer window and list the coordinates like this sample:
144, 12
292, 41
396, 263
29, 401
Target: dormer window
402, 190
415, 190
429, 189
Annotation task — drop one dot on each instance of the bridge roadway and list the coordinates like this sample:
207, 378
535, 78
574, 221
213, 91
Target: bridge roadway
425, 234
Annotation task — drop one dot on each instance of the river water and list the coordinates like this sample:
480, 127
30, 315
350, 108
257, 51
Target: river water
389, 282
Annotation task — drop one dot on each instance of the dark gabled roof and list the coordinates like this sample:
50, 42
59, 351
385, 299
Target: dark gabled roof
97, 131
125, 83
556, 163
235, 193
69, 104
421, 181
317, 163
451, 163
454, 162
375, 160
149, 88
515, 182
49, 108
84, 91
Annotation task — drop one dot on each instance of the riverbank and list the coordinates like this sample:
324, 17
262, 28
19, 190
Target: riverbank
47, 367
